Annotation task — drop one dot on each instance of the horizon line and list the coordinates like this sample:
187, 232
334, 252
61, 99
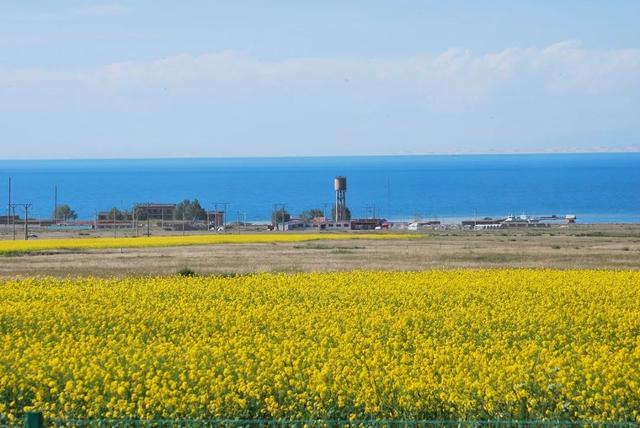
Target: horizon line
406, 155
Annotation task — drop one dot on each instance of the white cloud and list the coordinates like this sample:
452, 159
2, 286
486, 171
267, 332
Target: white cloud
456, 74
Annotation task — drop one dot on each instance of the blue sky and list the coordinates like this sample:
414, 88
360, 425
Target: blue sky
84, 79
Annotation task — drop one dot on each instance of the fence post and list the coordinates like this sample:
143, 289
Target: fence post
33, 420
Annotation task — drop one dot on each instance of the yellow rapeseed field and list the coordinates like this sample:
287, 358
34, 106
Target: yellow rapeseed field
472, 344
7, 246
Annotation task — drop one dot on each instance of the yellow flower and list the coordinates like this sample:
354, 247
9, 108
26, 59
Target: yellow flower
8, 246
463, 344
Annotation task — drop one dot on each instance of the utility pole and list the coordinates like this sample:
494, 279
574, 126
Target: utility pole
282, 211
9, 205
275, 219
134, 217
115, 233
26, 221
224, 215
12, 208
55, 204
183, 221
148, 221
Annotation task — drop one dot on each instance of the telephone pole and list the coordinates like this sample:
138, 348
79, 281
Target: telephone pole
26, 219
12, 209
148, 221
135, 219
9, 205
55, 204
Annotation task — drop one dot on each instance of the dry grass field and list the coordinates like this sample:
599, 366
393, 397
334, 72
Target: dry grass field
576, 247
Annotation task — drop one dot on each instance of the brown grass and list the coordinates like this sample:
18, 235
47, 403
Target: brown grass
594, 247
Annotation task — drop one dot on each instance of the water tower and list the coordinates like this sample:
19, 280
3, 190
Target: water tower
340, 185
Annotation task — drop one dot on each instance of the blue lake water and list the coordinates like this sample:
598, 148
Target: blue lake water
595, 187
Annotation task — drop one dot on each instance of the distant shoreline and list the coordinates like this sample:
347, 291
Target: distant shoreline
596, 187
351, 156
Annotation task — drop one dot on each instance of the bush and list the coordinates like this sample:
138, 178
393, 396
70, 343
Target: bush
186, 272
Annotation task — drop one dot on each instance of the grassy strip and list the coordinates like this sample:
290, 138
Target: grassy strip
13, 248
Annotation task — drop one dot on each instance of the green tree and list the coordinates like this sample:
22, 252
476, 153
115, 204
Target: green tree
190, 210
139, 212
347, 212
115, 212
64, 212
280, 216
309, 215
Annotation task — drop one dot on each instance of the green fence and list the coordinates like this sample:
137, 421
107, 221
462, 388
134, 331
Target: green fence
36, 420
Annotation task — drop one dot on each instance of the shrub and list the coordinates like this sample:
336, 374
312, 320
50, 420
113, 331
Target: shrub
186, 271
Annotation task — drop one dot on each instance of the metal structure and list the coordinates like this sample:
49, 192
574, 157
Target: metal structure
9, 205
26, 219
55, 204
340, 186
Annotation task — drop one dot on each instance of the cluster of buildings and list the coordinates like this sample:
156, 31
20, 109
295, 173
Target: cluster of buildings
322, 223
165, 214
340, 216
517, 221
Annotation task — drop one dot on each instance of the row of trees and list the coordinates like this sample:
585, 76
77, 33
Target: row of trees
188, 210
64, 212
192, 210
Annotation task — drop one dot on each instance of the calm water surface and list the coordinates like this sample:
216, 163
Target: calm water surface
596, 187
